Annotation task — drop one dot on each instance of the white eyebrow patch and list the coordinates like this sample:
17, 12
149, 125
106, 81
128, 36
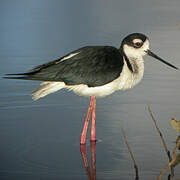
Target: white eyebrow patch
137, 41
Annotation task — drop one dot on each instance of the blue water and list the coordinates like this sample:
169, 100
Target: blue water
40, 140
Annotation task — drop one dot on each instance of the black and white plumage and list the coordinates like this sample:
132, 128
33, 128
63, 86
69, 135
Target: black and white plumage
95, 71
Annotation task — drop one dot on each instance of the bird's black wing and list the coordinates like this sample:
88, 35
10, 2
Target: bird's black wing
91, 65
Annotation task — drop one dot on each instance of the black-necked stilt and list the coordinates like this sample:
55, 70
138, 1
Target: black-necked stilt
94, 71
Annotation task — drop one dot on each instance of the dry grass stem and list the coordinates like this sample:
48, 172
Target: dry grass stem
171, 162
162, 139
130, 152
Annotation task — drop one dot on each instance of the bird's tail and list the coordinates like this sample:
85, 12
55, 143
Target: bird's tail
47, 88
23, 76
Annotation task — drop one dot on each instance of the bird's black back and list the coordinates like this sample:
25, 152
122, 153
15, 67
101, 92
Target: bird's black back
92, 65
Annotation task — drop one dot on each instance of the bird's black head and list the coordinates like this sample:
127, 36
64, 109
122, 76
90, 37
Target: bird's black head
136, 45
135, 40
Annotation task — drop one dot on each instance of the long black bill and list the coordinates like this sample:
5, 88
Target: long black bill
150, 53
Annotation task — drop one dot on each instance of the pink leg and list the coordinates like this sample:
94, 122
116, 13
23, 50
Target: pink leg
93, 125
84, 131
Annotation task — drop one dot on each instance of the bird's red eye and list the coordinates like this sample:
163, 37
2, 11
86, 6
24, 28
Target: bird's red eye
138, 44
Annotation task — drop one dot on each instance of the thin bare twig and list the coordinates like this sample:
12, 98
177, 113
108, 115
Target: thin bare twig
163, 171
171, 162
174, 152
130, 152
162, 139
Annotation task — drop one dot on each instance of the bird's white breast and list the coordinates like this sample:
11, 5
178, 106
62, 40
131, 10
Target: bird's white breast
126, 80
129, 78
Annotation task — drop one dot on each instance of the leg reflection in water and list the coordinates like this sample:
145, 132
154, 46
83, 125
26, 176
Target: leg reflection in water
93, 160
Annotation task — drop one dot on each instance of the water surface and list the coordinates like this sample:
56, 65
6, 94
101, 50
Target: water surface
40, 140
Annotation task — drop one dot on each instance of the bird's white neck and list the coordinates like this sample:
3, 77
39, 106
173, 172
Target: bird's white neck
138, 68
133, 75
137, 65
133, 58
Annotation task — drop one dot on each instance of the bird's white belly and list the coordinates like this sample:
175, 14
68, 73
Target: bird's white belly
100, 91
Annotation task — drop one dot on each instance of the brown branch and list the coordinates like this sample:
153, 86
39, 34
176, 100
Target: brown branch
160, 134
130, 152
162, 139
170, 164
163, 171
174, 152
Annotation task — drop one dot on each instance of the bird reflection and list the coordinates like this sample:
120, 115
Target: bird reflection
93, 160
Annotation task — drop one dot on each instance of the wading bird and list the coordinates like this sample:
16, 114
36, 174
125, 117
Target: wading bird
93, 71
